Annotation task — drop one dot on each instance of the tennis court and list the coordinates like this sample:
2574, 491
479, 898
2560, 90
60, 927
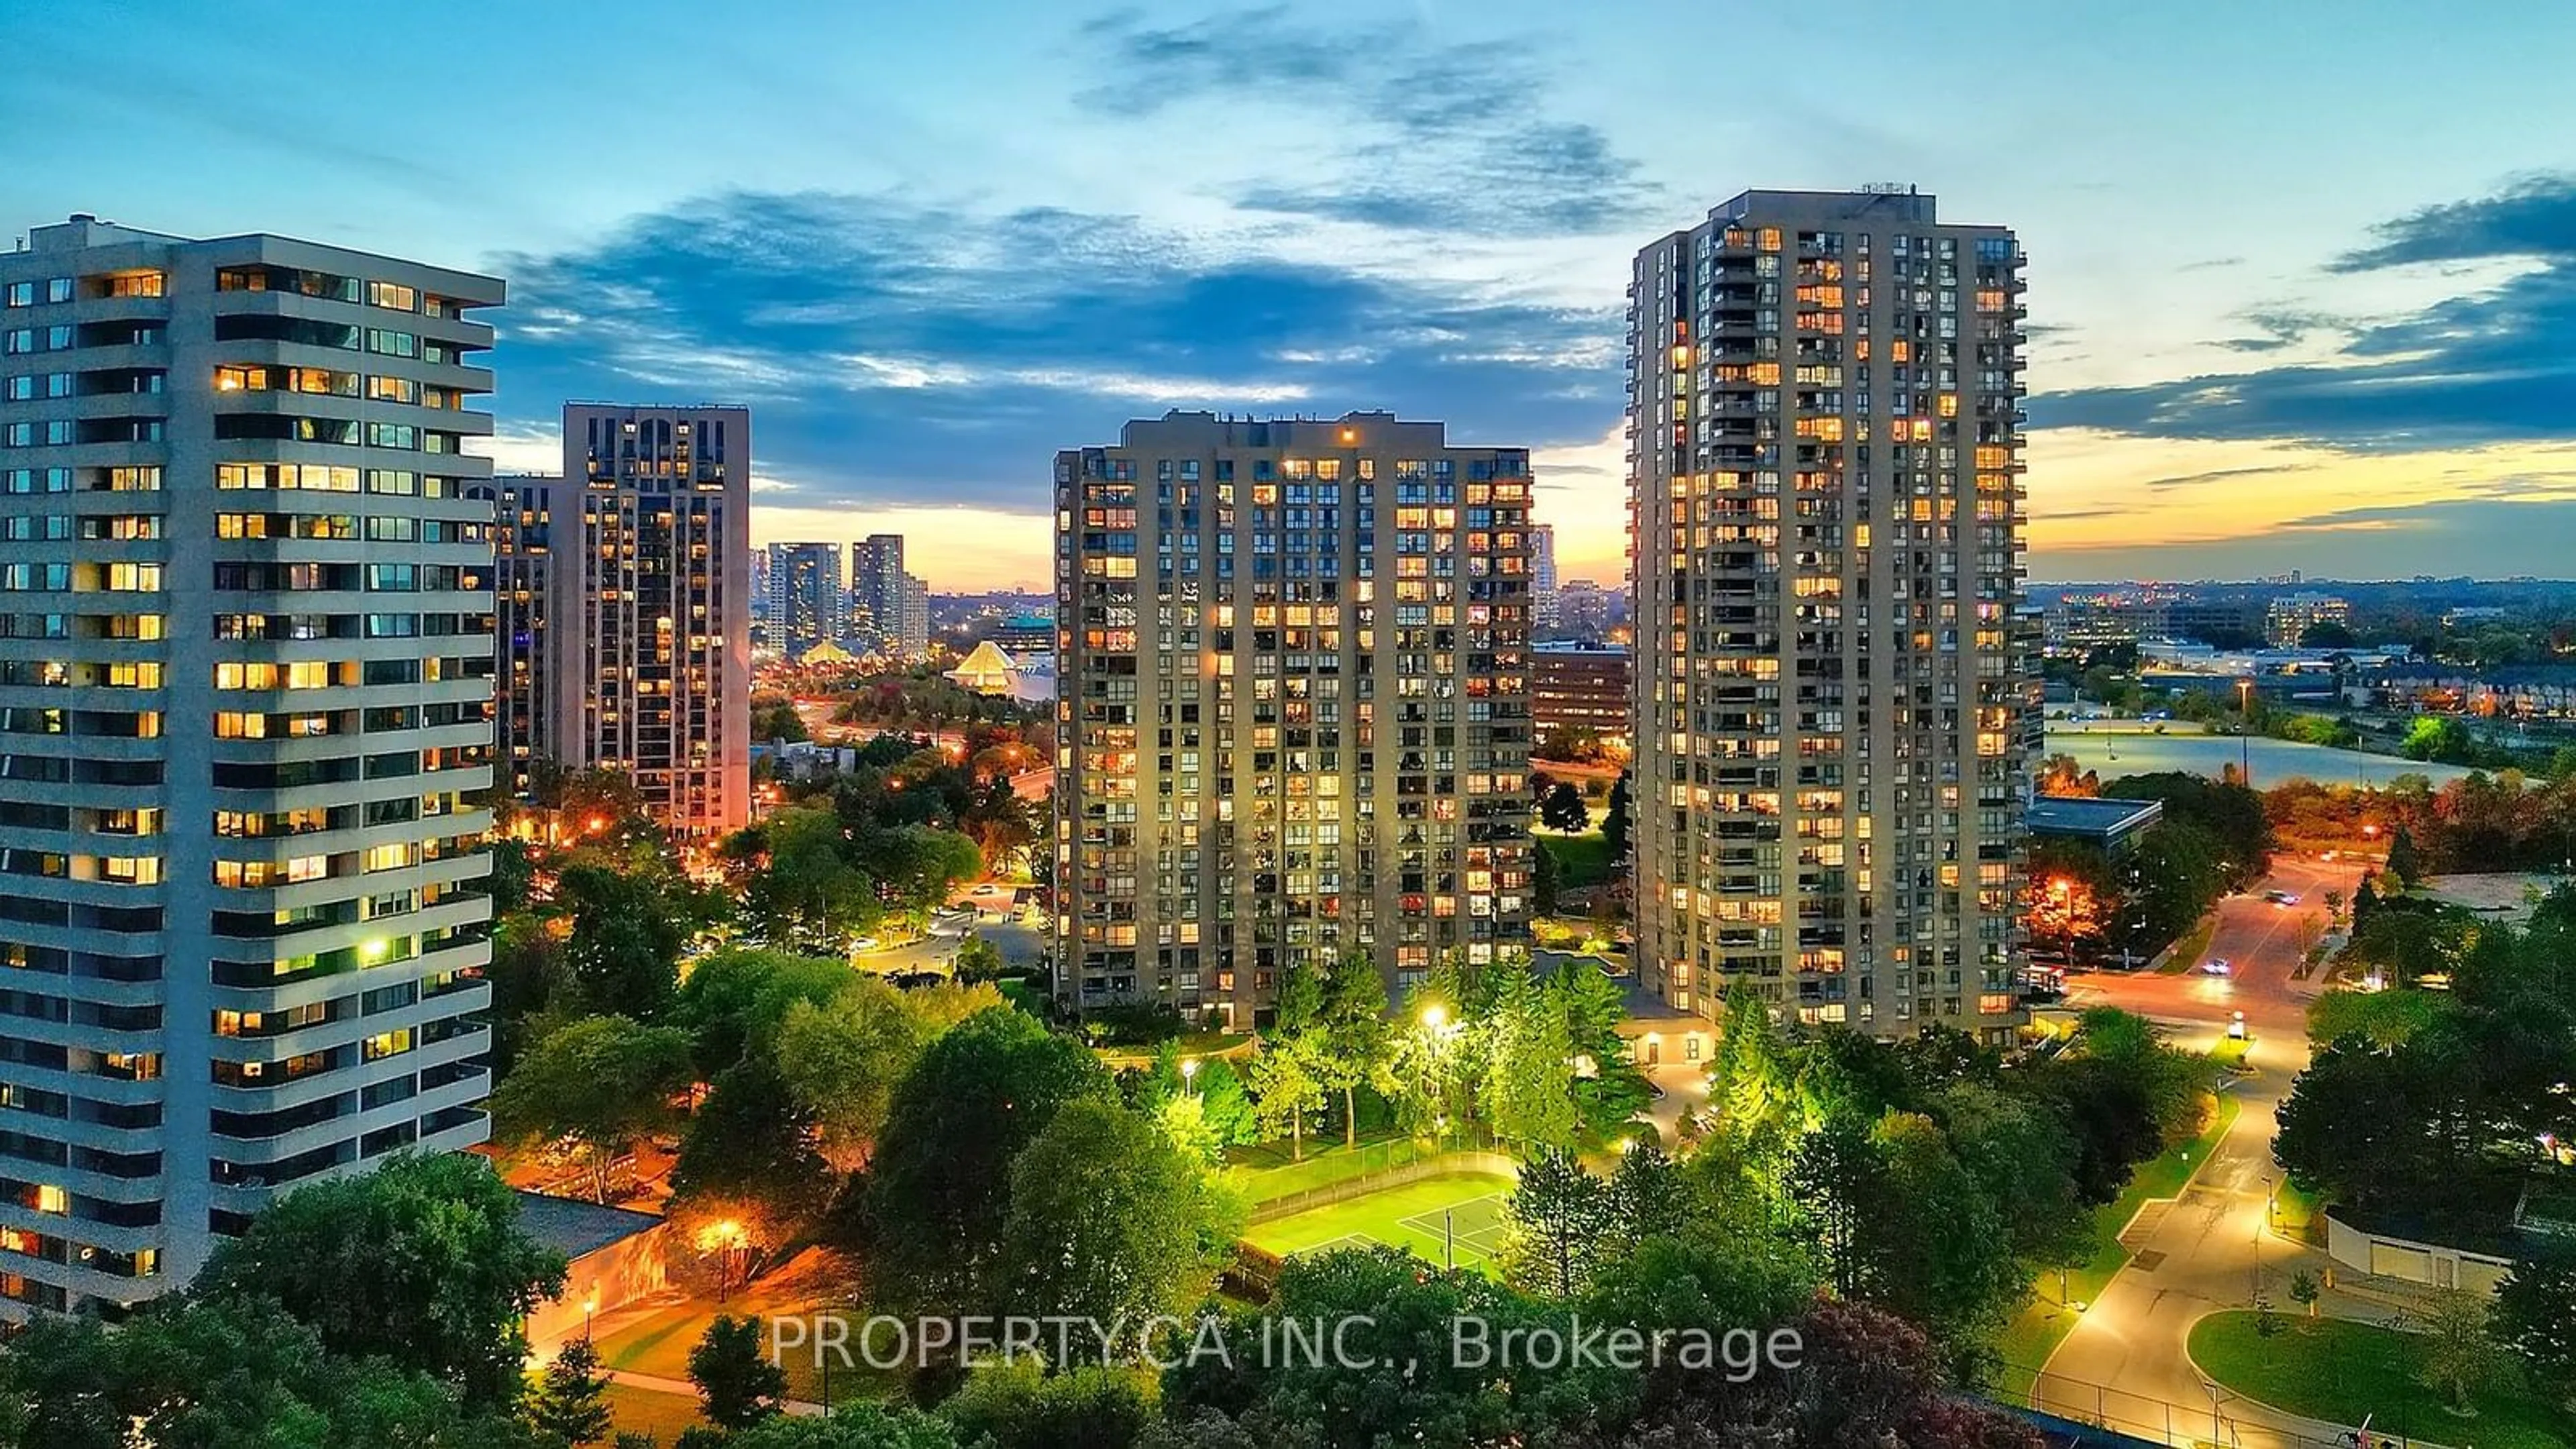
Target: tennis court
1440, 1220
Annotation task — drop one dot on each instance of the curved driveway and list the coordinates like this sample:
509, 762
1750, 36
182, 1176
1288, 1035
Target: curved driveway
2126, 1361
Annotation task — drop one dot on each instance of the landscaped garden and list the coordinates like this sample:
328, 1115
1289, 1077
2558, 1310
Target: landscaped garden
2345, 1372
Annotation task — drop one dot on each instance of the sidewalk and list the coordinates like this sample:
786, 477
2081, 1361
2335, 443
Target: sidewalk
801, 1408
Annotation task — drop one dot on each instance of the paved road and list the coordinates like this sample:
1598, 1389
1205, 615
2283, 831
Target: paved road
2210, 1248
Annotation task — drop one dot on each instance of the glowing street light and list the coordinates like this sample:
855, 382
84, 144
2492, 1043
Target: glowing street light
1435, 1016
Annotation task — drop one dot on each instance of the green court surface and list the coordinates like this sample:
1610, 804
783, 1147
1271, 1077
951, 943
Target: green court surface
1440, 1220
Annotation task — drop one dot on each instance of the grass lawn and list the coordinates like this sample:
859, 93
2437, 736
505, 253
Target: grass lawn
2026, 1342
643, 1411
1583, 858
1434, 1217
2193, 946
660, 1345
2341, 1371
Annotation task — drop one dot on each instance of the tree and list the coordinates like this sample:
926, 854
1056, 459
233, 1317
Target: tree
1563, 811
748, 1146
1614, 818
2305, 1290
1746, 1080
627, 930
1015, 1406
2023, 1156
1353, 1037
448, 1274
808, 895
939, 1188
571, 1402
843, 1061
2327, 634
2385, 1019
1546, 878
1555, 1221
1224, 1105
1647, 1198
2535, 1312
190, 1371
735, 1001
737, 1385
2461, 1355
1108, 1221
1286, 1087
601, 1082
2404, 862
851, 1426
977, 959
513, 877
1527, 1091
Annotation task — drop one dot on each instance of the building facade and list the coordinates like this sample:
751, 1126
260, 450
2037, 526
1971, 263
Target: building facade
1546, 615
805, 596
1580, 687
897, 604
1835, 702
523, 563
245, 672
651, 632
2287, 620
1293, 709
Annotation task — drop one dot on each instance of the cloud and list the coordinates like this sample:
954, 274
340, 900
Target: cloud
1447, 136
2490, 366
2535, 216
2211, 264
892, 350
2219, 475
2487, 538
2282, 327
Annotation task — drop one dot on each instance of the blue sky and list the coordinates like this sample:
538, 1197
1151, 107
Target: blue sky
2301, 272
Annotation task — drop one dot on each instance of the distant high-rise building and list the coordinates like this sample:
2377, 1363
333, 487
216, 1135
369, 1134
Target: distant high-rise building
2291, 616
897, 605
1294, 717
651, 610
247, 669
1587, 611
1546, 617
1834, 697
805, 596
522, 545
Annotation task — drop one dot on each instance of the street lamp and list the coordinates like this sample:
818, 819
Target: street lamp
589, 1309
1435, 1016
1189, 1074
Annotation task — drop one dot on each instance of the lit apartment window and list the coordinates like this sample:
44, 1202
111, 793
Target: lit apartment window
51, 1199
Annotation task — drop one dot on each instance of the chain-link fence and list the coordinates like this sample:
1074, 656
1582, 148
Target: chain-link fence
2222, 1419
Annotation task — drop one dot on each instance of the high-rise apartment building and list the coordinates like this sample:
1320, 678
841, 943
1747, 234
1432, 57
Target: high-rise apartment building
1833, 690
651, 627
1545, 613
897, 604
245, 668
2288, 618
1293, 713
805, 597
523, 565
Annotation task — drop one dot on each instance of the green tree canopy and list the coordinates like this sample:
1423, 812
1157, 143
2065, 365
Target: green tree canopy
447, 1271
939, 1187
602, 1082
1109, 1221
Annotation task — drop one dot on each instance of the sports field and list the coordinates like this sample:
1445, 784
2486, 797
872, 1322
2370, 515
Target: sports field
1441, 1220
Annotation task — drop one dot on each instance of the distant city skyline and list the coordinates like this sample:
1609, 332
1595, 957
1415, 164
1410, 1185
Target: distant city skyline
2352, 372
